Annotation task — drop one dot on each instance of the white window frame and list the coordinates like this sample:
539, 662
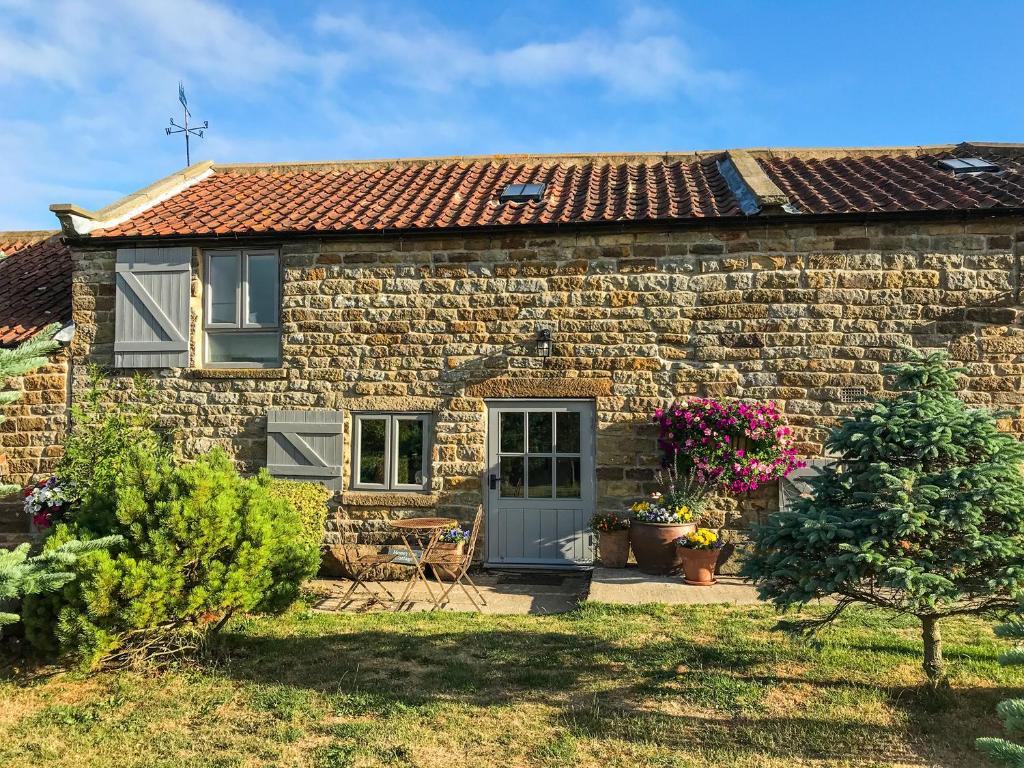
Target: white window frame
241, 323
391, 420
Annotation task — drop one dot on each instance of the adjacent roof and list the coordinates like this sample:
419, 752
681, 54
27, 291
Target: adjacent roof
35, 283
443, 193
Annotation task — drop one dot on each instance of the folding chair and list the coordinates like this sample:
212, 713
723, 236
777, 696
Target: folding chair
458, 566
359, 564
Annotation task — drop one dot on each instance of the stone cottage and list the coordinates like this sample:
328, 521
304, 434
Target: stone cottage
35, 292
429, 335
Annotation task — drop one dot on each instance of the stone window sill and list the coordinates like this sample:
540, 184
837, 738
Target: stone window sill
389, 499
238, 373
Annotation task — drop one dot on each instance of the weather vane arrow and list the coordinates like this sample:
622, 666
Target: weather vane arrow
184, 127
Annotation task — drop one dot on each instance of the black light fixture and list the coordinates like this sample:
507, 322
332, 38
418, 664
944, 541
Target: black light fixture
544, 342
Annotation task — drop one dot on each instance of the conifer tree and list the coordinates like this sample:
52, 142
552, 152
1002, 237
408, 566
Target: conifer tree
22, 574
17, 361
922, 514
1011, 712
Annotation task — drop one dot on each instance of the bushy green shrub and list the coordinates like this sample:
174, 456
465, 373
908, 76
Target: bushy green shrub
309, 500
201, 542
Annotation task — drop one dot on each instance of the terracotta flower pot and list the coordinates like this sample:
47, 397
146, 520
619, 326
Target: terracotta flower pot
451, 552
699, 566
654, 546
613, 547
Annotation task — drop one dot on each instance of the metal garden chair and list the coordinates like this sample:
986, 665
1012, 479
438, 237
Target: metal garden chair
457, 567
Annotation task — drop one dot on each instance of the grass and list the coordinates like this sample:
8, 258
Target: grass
603, 686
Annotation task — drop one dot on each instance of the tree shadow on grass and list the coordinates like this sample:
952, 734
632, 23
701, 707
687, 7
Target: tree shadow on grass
676, 693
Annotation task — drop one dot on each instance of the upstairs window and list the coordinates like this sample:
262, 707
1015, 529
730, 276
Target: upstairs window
243, 301
390, 451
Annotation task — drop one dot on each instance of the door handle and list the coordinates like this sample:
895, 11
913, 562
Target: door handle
494, 481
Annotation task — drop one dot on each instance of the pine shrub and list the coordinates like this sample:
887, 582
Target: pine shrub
200, 543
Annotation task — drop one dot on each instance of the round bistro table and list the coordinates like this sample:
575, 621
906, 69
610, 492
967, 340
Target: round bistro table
418, 529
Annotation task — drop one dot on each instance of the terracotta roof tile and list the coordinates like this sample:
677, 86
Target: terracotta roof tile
433, 195
460, 192
35, 284
897, 182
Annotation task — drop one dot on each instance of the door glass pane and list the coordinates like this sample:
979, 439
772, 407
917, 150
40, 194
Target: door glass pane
512, 432
223, 286
567, 428
410, 451
262, 285
568, 474
539, 477
245, 348
511, 469
540, 432
372, 433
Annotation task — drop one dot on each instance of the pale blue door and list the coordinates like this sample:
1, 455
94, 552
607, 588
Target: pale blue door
540, 483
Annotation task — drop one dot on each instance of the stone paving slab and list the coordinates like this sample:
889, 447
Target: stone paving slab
627, 586
504, 595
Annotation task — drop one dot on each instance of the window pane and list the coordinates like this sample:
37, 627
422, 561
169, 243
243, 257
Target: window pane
567, 428
540, 432
245, 348
263, 280
223, 287
568, 485
372, 436
540, 478
410, 451
512, 432
511, 476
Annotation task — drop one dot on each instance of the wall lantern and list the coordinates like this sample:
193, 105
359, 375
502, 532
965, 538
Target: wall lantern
544, 342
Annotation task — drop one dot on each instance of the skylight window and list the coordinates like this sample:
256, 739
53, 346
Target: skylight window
962, 165
522, 193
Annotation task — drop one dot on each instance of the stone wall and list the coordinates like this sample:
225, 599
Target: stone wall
34, 428
791, 312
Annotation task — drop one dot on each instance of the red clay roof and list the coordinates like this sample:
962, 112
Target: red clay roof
463, 192
35, 284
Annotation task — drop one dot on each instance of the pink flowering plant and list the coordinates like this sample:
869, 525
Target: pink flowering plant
47, 501
732, 447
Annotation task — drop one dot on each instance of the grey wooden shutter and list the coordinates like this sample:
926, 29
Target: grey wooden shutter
305, 445
151, 322
797, 484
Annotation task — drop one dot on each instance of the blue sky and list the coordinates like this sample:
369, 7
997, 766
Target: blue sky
88, 85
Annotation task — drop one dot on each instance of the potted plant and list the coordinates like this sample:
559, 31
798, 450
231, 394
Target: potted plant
699, 551
612, 538
47, 501
449, 547
660, 520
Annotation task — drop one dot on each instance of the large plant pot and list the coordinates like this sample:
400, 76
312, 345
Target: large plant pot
699, 566
613, 547
449, 553
654, 546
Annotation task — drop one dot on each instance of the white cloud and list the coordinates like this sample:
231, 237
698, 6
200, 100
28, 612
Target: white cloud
89, 85
641, 57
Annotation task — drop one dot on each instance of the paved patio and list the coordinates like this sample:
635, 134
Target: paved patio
528, 592
506, 593
627, 586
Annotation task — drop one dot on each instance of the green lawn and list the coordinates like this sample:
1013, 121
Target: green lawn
695, 686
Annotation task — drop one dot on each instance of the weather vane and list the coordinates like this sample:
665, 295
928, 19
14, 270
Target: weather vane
175, 128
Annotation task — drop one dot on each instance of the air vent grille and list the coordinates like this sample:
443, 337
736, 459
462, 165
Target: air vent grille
852, 394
